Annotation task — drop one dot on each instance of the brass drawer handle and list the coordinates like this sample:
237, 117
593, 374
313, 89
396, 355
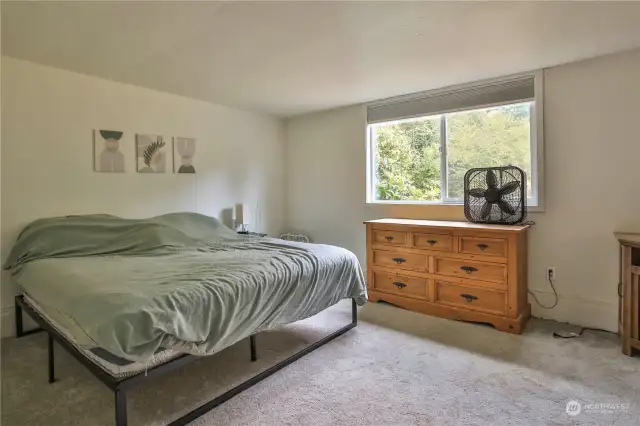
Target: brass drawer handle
399, 284
432, 242
399, 260
389, 238
482, 246
469, 297
468, 269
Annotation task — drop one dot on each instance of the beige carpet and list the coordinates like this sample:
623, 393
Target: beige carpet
395, 368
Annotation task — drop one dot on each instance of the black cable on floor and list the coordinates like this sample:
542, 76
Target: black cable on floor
578, 334
570, 335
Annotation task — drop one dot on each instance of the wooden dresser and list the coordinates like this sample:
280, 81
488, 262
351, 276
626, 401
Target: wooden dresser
456, 270
629, 291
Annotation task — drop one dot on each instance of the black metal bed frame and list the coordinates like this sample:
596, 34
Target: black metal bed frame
120, 386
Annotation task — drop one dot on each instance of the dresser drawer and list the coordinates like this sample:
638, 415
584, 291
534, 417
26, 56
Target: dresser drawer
400, 284
477, 299
462, 268
391, 238
440, 242
484, 246
413, 262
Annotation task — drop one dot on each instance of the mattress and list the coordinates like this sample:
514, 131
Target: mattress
118, 368
180, 281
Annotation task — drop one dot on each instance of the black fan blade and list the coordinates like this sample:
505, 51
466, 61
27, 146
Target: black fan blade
509, 187
476, 193
491, 179
506, 207
486, 210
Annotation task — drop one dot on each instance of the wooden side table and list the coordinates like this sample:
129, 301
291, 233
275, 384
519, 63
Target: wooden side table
629, 290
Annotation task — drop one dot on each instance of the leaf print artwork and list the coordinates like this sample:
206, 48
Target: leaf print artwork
151, 154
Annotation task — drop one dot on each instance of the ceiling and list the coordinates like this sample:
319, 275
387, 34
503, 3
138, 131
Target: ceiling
294, 57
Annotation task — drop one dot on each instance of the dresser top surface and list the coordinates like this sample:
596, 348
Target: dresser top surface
450, 224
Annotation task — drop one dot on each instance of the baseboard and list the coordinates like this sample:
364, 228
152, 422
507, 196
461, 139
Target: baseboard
576, 310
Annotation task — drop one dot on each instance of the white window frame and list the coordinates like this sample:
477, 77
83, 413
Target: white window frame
534, 204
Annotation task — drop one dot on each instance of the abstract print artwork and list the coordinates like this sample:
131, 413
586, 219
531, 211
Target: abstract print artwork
150, 154
107, 156
183, 151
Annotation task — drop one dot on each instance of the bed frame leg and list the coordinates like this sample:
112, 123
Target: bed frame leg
354, 311
19, 319
121, 407
19, 325
252, 341
52, 377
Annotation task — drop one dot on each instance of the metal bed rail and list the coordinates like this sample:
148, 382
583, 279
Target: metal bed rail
120, 386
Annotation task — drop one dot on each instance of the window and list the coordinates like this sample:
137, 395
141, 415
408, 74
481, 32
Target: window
423, 158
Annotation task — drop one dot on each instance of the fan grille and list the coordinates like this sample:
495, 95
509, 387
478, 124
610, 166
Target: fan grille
506, 189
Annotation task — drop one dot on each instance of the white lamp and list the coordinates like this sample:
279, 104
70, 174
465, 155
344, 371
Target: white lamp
238, 217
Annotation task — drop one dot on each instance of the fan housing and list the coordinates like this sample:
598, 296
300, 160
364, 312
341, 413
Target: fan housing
495, 195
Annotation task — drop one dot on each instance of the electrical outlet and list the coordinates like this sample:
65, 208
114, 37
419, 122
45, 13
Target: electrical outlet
551, 272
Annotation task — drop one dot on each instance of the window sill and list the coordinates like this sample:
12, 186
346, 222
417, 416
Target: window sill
530, 208
416, 203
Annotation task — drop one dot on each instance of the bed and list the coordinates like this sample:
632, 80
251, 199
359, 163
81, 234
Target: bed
132, 299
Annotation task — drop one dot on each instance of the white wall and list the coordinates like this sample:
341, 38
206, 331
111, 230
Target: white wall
48, 117
592, 184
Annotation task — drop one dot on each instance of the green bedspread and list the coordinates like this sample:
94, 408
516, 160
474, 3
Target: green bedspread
181, 281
